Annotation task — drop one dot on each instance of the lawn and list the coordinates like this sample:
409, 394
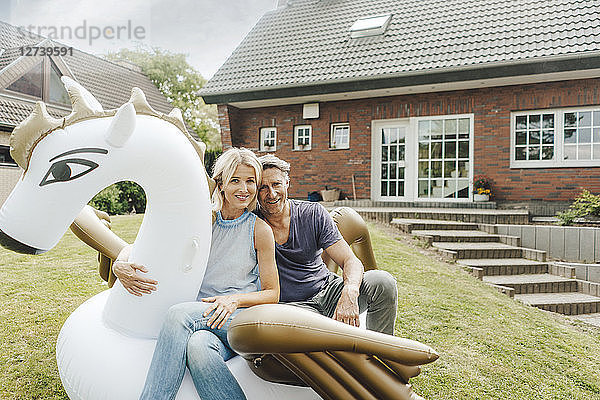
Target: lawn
490, 346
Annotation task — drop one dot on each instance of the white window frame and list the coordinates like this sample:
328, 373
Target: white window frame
333, 145
307, 137
415, 148
409, 155
557, 161
412, 159
268, 139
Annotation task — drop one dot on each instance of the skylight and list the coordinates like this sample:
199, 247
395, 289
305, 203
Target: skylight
370, 26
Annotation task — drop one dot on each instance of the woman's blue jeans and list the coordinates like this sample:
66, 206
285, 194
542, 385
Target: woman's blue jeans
185, 335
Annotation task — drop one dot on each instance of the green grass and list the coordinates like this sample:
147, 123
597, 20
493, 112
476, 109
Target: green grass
490, 346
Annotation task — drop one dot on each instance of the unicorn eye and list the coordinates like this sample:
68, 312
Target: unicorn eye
67, 170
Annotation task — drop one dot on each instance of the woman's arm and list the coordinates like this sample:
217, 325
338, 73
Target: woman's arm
126, 272
224, 306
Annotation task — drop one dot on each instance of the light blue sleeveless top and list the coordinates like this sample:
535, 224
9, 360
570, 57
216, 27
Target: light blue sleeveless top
232, 265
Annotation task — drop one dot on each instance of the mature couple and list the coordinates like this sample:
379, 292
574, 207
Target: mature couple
269, 255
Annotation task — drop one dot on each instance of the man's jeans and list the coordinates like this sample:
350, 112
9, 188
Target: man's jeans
186, 335
378, 295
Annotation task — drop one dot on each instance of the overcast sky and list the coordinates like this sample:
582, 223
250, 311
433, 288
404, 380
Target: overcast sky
206, 30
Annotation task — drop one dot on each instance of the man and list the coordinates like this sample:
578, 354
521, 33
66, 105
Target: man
302, 231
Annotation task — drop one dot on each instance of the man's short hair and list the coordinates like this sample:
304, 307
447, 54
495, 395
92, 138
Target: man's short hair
270, 161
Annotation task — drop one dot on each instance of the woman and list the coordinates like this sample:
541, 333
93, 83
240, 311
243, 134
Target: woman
242, 251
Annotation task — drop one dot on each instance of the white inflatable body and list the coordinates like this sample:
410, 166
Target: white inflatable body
105, 347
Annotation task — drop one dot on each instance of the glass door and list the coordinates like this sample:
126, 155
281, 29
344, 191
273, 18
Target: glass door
444, 153
390, 161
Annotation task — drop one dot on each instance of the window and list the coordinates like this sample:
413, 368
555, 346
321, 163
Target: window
555, 138
31, 83
56, 89
581, 135
393, 156
42, 82
268, 139
370, 26
340, 136
5, 158
444, 157
534, 137
302, 137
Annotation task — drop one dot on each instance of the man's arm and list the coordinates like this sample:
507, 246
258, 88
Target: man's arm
346, 310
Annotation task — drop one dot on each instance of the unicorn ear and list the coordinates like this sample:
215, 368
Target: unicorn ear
122, 126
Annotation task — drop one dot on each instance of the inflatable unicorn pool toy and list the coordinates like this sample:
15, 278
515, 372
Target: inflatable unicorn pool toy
105, 347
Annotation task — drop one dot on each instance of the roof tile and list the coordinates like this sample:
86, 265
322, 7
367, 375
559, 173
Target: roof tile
308, 41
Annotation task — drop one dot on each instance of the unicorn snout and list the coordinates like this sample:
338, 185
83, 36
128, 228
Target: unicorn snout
12, 244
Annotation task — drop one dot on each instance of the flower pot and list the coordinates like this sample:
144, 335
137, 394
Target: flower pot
481, 197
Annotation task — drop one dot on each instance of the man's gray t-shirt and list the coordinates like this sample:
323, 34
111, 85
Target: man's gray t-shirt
302, 272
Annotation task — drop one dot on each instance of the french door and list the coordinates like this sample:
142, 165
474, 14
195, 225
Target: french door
422, 159
391, 171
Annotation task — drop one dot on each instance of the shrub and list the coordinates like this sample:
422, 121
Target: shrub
108, 200
120, 198
133, 196
210, 156
585, 204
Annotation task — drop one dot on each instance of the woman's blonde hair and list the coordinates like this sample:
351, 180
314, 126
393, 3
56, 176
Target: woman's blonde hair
224, 169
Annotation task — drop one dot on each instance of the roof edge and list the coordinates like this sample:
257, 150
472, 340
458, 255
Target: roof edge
544, 66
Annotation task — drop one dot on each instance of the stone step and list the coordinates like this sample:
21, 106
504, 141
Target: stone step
533, 283
592, 319
408, 225
562, 303
478, 250
456, 235
485, 216
503, 266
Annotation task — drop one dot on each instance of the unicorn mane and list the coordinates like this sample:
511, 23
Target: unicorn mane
40, 123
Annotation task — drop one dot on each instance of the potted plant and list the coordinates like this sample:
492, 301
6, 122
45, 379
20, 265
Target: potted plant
482, 188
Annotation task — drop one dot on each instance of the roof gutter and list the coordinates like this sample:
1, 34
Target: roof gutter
428, 78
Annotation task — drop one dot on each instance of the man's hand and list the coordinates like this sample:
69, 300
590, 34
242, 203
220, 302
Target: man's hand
223, 307
135, 284
346, 310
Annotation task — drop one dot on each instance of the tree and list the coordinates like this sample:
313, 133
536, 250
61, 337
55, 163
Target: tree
179, 82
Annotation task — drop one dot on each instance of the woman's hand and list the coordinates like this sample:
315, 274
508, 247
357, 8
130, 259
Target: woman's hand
223, 307
135, 284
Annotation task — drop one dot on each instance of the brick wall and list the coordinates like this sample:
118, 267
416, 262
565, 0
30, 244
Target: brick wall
312, 170
8, 175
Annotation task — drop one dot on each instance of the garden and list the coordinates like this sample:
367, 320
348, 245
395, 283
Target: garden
490, 346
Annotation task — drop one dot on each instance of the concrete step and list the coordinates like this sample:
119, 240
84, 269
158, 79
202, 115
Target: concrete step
408, 225
486, 216
562, 303
479, 250
456, 235
533, 283
503, 266
592, 319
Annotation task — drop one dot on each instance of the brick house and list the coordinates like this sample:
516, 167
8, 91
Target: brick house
25, 79
415, 98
